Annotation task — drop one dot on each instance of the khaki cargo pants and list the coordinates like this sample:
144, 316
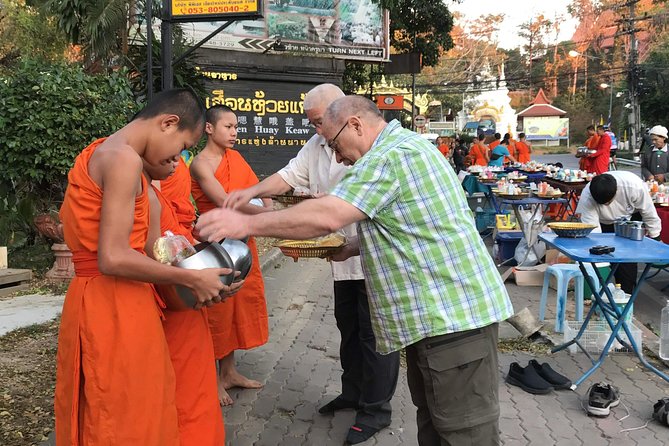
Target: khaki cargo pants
454, 381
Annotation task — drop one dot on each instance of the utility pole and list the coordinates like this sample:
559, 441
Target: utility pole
634, 116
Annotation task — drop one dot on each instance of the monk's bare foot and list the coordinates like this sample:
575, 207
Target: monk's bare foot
223, 396
236, 379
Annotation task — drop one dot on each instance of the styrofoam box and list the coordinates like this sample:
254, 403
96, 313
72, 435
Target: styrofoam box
596, 335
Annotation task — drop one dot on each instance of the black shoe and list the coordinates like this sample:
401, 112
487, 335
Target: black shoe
601, 398
527, 379
661, 411
337, 404
359, 433
549, 375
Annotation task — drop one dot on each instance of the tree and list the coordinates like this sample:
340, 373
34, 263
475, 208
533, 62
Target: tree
26, 31
419, 25
100, 26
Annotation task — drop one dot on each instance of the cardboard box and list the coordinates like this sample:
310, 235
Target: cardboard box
554, 256
530, 275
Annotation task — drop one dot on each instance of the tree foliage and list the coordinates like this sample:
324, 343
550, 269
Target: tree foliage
27, 31
48, 114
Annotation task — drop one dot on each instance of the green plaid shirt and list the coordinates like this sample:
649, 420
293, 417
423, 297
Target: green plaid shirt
428, 272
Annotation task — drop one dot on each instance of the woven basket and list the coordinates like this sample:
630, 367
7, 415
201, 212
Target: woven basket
550, 196
307, 248
520, 196
571, 230
288, 200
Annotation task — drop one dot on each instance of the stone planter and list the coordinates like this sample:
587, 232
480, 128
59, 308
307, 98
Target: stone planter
63, 268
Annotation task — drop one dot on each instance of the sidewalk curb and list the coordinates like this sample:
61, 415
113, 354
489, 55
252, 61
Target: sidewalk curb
269, 259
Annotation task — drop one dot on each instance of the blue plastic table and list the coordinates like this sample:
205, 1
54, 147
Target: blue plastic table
646, 251
537, 221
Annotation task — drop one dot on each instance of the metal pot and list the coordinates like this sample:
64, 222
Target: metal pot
241, 256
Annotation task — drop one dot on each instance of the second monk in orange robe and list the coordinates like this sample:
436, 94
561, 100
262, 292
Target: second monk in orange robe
241, 321
189, 340
176, 188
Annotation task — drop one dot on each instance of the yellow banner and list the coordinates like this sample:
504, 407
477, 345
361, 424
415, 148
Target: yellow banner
185, 8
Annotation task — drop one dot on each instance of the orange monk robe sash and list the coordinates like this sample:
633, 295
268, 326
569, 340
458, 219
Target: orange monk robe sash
192, 353
584, 163
479, 157
176, 189
114, 378
240, 322
523, 151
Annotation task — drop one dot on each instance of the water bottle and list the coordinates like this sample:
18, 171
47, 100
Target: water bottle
664, 333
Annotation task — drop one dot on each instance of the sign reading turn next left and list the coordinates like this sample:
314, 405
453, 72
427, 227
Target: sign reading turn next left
214, 10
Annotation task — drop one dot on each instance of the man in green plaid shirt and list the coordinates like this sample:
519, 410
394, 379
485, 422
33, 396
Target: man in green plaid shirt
433, 288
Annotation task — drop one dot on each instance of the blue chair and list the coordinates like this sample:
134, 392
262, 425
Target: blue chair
563, 273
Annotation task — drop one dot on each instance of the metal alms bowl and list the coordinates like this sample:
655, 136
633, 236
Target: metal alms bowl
209, 255
241, 256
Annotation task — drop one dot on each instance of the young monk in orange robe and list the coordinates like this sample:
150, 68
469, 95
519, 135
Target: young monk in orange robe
591, 143
479, 152
189, 341
176, 189
241, 321
114, 379
524, 149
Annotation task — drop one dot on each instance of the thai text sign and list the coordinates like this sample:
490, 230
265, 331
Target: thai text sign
548, 127
270, 114
214, 9
346, 29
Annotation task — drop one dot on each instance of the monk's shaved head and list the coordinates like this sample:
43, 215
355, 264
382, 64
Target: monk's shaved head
353, 105
181, 102
214, 113
321, 96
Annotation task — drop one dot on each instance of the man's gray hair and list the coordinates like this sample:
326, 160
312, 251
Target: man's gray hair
353, 105
321, 96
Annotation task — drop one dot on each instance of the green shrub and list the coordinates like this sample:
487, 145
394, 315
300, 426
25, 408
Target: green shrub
49, 113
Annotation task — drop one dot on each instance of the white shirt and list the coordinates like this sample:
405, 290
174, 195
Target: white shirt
632, 196
315, 167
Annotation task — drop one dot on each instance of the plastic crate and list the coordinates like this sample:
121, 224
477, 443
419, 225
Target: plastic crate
594, 338
485, 219
507, 243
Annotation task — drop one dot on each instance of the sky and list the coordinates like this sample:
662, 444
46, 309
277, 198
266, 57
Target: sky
517, 12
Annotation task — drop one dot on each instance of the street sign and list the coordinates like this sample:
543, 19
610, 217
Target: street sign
420, 121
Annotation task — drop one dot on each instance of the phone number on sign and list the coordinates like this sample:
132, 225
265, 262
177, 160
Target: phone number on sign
215, 9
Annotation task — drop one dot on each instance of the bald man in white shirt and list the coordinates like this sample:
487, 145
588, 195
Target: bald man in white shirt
369, 379
618, 194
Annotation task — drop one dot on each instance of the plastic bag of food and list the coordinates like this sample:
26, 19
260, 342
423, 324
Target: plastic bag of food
171, 249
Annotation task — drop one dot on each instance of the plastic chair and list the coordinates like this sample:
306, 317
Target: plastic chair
564, 272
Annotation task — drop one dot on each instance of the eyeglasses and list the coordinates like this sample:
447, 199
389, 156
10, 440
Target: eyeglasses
331, 143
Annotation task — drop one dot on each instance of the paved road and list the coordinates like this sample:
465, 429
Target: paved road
300, 366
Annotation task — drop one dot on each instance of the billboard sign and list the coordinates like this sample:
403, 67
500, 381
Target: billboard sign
346, 29
546, 128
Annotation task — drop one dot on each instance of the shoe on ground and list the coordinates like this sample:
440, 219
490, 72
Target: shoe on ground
527, 379
360, 432
549, 375
601, 398
337, 404
661, 411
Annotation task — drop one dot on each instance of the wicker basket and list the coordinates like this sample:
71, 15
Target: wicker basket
288, 200
520, 196
550, 196
308, 248
571, 230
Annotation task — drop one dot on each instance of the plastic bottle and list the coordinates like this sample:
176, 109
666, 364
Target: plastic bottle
664, 333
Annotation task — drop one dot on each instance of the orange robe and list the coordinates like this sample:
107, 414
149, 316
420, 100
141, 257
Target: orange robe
591, 143
523, 151
114, 379
444, 149
192, 353
479, 157
240, 322
176, 189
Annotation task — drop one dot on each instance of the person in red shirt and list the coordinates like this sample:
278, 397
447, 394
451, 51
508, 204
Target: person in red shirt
599, 161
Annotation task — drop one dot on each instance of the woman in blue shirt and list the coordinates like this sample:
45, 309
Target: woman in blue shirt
498, 153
